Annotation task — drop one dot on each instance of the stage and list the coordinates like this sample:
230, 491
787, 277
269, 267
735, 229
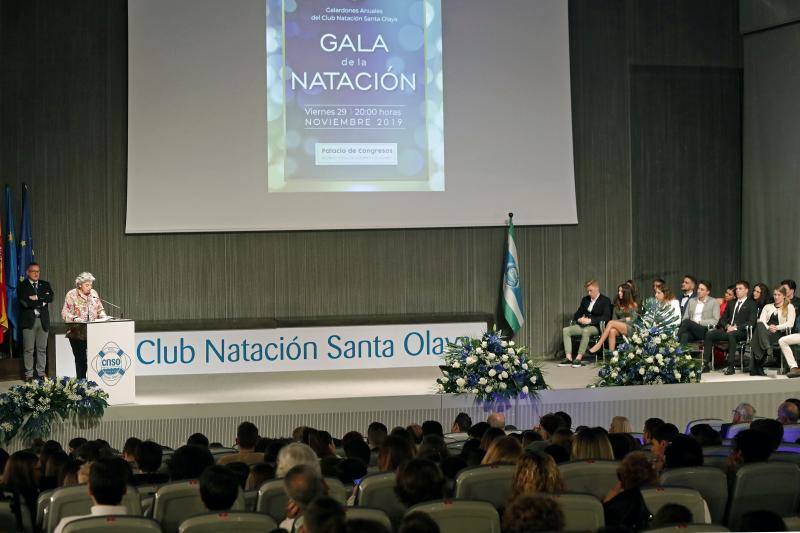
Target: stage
170, 408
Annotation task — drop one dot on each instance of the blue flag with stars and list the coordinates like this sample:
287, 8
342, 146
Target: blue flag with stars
26, 255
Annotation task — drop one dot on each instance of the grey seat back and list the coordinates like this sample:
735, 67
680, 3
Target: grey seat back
772, 486
491, 483
233, 522
582, 512
272, 500
710, 482
657, 497
589, 477
366, 513
458, 516
377, 491
111, 523
75, 501
177, 501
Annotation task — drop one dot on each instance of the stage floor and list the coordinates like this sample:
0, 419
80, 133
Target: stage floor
170, 408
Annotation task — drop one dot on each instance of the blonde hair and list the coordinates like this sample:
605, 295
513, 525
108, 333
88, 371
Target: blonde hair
785, 307
505, 450
590, 283
620, 424
592, 443
536, 472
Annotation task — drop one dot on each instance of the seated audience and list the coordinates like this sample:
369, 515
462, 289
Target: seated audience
297, 433
688, 292
19, 481
324, 515
624, 505
682, 452
149, 456
246, 439
701, 313
728, 296
476, 431
776, 319
303, 484
393, 452
259, 474
566, 420
666, 299
705, 435
558, 453
432, 427
762, 521
760, 296
129, 451
772, 429
548, 425
787, 341
295, 454
496, 420
51, 470
219, 488
562, 437
620, 424
732, 327
376, 432
622, 444
671, 514
593, 309
591, 443
491, 435
418, 522
503, 451
356, 449
622, 318
530, 512
75, 444
419, 480
647, 431
108, 481
530, 436
536, 472
743, 414
461, 424
197, 439
750, 446
788, 413
188, 462
415, 430
322, 444
433, 447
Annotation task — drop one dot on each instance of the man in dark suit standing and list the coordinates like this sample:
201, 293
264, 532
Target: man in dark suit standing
732, 326
594, 309
34, 294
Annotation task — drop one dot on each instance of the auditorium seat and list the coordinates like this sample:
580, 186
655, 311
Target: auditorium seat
177, 501
337, 490
792, 523
789, 447
590, 477
658, 497
377, 491
7, 520
715, 423
687, 528
710, 482
457, 516
75, 501
764, 486
722, 451
582, 512
272, 500
105, 524
232, 522
786, 457
42, 505
491, 483
791, 433
219, 453
250, 500
716, 461
734, 429
366, 513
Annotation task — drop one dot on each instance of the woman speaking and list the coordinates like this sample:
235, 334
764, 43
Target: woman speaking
82, 304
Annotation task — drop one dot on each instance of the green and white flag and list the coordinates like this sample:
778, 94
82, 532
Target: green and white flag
513, 309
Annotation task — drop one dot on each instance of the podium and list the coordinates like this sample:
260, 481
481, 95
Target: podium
110, 352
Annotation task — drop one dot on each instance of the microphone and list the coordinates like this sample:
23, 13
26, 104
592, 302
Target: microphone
115, 306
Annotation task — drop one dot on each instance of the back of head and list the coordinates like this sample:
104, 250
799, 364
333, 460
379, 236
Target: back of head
432, 427
754, 446
303, 484
324, 515
496, 420
419, 480
247, 435
705, 435
665, 432
771, 428
349, 470
744, 412
566, 420
188, 462
130, 446
376, 432
462, 423
550, 423
762, 521
477, 430
219, 487
671, 514
650, 425
20, 471
536, 472
505, 450
295, 454
76, 443
321, 442
452, 465
788, 413
562, 437
148, 456
259, 474
491, 435
558, 453
393, 452
197, 439
683, 452
591, 443
622, 444
636, 471
418, 522
108, 479
529, 436
620, 424
433, 447
529, 512
357, 449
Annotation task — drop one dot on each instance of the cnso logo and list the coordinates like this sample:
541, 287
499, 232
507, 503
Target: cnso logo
111, 363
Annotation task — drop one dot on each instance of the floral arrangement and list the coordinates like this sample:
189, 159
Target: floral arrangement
31, 409
490, 367
652, 354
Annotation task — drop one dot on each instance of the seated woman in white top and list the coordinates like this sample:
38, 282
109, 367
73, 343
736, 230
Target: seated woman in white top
666, 298
776, 319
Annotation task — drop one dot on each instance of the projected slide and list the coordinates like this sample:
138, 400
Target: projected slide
354, 96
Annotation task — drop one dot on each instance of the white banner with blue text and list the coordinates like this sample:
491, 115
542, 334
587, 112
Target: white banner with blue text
287, 349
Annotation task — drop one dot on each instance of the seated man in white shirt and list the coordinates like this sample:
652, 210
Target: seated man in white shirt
108, 481
701, 312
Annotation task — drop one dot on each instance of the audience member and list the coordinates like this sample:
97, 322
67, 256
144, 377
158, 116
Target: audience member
477, 430
188, 462
705, 435
591, 443
785, 343
666, 300
418, 522
416, 432
433, 447
701, 313
761, 521
19, 479
566, 420
419, 480
728, 296
760, 296
683, 451
529, 512
246, 438
149, 456
593, 309
620, 424
688, 292
776, 319
536, 472
50, 471
788, 413
432, 427
491, 435
295, 454
750, 446
197, 439
393, 452
772, 429
732, 327
622, 444
259, 474
75, 444
376, 433
647, 431
219, 487
356, 449
672, 514
462, 423
562, 437
108, 480
322, 444
129, 451
303, 484
558, 453
530, 436
496, 420
297, 433
624, 505
662, 436
324, 515
549, 424
622, 318
503, 451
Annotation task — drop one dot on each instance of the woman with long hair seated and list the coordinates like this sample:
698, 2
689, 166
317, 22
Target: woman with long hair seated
622, 319
776, 319
666, 299
536, 472
592, 444
624, 506
503, 451
19, 484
